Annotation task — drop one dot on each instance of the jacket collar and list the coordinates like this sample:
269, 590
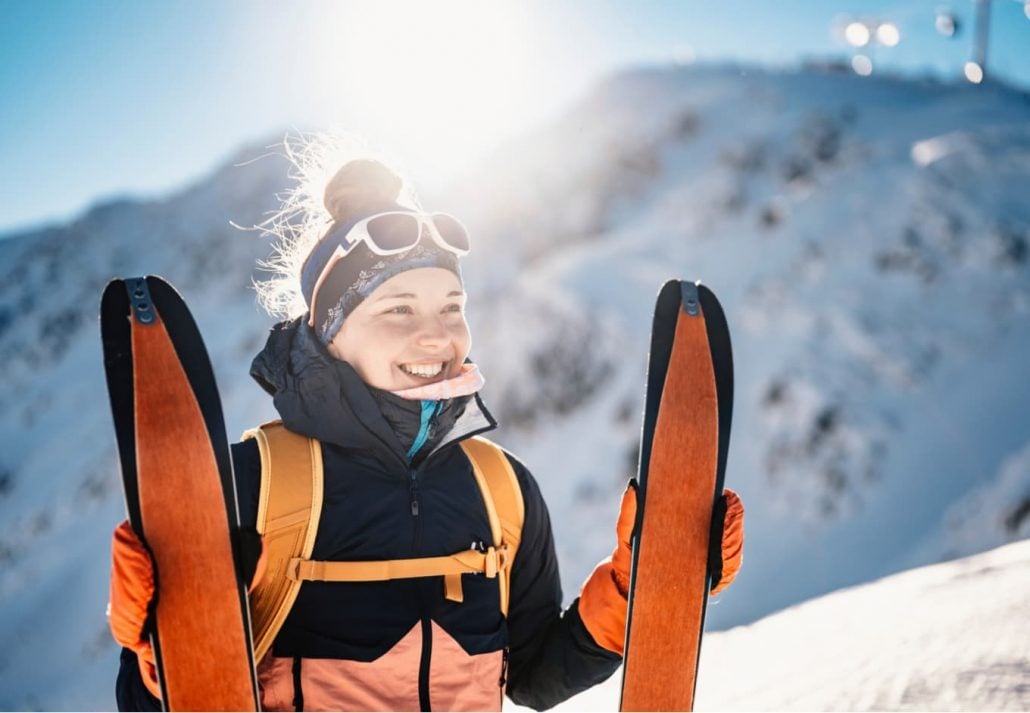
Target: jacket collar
322, 397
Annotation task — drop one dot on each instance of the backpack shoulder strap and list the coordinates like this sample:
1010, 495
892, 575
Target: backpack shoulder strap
503, 498
289, 508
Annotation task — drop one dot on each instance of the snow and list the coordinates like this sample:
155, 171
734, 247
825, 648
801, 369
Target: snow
948, 637
868, 238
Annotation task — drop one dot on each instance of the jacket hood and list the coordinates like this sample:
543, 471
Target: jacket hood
322, 397
319, 396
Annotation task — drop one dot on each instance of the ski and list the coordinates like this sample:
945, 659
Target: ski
684, 443
180, 494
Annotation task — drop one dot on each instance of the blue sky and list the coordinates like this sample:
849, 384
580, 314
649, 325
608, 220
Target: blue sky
112, 97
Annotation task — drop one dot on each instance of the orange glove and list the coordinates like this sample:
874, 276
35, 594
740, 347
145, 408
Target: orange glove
726, 541
132, 591
603, 597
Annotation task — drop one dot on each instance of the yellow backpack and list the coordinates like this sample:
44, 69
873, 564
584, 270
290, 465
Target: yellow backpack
290, 504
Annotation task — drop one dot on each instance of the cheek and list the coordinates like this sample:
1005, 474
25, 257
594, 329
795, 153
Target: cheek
387, 333
390, 342
369, 348
461, 337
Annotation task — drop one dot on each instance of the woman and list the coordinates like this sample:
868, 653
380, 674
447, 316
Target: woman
377, 370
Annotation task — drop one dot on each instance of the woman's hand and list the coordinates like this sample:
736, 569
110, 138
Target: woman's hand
603, 598
726, 541
132, 591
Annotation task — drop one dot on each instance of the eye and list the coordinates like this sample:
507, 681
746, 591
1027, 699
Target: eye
399, 309
453, 308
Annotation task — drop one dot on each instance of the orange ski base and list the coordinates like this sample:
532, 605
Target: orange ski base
670, 589
200, 628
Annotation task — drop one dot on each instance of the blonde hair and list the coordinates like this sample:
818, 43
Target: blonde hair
304, 218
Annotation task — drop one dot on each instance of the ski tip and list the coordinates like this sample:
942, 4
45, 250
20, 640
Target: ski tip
689, 298
672, 284
113, 301
710, 303
695, 296
136, 295
684, 293
143, 310
114, 285
163, 290
158, 280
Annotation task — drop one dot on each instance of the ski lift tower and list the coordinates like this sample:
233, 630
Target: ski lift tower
976, 69
947, 24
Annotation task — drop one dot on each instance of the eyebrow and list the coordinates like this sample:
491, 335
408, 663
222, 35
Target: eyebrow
412, 295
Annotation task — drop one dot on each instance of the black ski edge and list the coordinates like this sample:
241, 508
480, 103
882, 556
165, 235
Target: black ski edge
663, 333
722, 364
116, 340
192, 354
721, 351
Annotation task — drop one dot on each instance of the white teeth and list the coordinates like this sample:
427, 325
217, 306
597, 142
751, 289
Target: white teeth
424, 370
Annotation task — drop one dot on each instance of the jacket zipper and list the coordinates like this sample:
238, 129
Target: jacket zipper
427, 629
423, 668
298, 688
415, 505
504, 676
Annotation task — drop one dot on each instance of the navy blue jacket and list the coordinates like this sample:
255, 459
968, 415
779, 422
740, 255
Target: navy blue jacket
379, 505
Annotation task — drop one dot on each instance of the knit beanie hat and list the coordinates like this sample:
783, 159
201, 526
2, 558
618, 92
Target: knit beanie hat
360, 189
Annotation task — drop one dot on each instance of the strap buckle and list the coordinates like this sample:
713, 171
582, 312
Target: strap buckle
293, 569
495, 560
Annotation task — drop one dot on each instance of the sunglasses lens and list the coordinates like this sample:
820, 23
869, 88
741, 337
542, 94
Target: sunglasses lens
394, 232
452, 232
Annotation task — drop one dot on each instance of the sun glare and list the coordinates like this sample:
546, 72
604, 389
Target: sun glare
449, 76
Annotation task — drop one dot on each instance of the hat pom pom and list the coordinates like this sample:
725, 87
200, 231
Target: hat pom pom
360, 188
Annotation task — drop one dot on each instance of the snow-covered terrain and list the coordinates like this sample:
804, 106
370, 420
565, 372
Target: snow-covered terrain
950, 637
868, 238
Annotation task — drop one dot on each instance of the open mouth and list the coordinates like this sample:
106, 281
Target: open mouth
426, 371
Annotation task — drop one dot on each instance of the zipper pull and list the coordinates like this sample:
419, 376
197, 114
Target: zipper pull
414, 493
504, 667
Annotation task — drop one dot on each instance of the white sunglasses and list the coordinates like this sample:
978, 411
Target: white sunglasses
391, 233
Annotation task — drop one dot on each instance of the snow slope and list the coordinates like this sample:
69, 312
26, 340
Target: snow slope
867, 237
948, 637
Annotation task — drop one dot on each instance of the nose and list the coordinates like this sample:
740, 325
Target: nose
433, 333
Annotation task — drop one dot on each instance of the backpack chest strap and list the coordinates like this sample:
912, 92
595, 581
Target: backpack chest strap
450, 567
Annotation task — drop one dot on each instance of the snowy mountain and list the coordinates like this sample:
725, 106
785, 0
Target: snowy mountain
869, 243
948, 637
867, 237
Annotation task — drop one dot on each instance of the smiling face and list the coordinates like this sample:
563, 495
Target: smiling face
411, 331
